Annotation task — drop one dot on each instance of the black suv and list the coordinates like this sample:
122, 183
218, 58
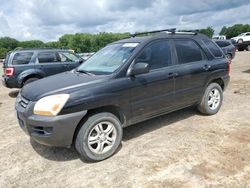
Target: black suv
27, 65
126, 82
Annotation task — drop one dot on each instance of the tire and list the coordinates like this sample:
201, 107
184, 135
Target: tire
229, 56
248, 48
100, 147
240, 41
212, 94
29, 80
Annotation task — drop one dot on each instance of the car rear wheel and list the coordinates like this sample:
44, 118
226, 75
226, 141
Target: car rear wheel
99, 137
30, 80
229, 56
211, 100
240, 41
248, 48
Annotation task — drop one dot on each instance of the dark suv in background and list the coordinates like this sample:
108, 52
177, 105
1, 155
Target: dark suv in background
124, 83
227, 47
27, 65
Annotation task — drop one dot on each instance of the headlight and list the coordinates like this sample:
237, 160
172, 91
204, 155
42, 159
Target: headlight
50, 105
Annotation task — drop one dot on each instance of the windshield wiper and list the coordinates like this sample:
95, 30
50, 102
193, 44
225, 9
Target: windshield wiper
83, 71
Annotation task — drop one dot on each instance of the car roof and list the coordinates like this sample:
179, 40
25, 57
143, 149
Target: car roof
144, 39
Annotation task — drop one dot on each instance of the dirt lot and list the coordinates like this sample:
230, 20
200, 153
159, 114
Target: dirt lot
182, 149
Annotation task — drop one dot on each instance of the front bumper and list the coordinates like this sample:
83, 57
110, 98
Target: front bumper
52, 131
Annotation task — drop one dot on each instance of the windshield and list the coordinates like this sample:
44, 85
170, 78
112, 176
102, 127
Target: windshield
241, 34
108, 59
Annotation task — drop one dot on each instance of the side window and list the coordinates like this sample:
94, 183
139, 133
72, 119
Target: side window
157, 55
213, 48
22, 58
187, 51
248, 34
67, 57
47, 57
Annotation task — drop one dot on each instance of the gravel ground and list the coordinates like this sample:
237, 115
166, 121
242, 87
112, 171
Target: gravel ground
181, 149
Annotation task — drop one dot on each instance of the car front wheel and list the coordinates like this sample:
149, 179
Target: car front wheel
211, 100
99, 137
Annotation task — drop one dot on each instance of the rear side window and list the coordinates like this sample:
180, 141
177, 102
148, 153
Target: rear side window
47, 57
157, 55
22, 58
215, 50
187, 51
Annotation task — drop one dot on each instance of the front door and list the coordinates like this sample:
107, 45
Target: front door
49, 63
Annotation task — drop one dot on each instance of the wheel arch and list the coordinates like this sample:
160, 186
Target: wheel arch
113, 109
218, 81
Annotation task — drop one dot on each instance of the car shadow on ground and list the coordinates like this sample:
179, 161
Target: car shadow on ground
145, 127
68, 154
54, 153
14, 93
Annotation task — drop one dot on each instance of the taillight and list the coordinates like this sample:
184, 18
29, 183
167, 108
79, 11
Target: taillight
9, 71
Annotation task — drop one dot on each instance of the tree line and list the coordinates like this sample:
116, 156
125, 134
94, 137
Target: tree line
85, 42
234, 30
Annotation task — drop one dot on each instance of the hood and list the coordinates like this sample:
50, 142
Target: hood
60, 83
234, 38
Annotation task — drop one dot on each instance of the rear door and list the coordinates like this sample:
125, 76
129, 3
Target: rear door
153, 93
49, 62
192, 69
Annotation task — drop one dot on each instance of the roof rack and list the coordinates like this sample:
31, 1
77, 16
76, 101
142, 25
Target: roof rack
188, 32
171, 30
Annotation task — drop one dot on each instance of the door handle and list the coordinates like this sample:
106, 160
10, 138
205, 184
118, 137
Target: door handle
206, 67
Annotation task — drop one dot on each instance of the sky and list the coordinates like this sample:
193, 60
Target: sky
47, 20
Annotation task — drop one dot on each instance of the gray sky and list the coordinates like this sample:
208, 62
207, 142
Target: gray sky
49, 19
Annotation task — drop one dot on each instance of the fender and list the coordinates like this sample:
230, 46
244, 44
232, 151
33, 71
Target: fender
29, 72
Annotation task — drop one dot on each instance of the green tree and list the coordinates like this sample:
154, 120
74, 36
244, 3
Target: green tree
7, 44
32, 44
235, 30
209, 31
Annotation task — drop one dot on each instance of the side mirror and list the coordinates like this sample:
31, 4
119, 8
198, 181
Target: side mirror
138, 68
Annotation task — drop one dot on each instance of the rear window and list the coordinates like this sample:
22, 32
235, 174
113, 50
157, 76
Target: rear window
22, 58
187, 51
213, 48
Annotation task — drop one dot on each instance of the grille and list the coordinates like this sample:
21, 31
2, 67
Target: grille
23, 102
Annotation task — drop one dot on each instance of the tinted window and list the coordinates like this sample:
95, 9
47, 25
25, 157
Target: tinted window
213, 48
48, 57
22, 58
187, 51
248, 34
157, 55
